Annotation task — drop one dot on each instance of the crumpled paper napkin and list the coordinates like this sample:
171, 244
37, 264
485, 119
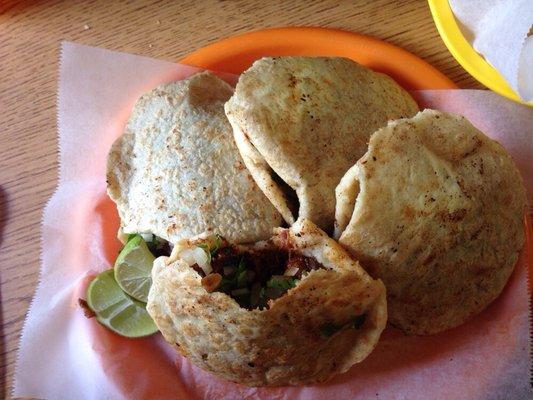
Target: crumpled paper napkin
498, 29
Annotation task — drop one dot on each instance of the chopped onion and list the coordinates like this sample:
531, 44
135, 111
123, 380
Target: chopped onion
291, 271
196, 255
148, 237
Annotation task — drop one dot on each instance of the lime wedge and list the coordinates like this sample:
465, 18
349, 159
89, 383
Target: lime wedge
133, 268
116, 310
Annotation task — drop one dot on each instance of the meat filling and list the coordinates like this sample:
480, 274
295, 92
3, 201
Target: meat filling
159, 247
253, 278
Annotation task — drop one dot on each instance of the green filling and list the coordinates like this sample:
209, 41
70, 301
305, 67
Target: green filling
240, 285
157, 246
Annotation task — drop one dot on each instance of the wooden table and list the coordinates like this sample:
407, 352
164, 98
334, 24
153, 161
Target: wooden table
30, 35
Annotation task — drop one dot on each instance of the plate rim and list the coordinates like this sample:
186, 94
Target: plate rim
300, 38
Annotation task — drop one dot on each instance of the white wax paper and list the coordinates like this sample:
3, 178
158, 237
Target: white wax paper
64, 355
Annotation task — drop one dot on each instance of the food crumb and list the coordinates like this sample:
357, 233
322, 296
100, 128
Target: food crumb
86, 309
150, 46
86, 27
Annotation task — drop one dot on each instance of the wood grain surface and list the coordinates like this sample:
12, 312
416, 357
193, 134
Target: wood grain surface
30, 36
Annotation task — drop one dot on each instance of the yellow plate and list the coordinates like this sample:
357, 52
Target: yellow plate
465, 54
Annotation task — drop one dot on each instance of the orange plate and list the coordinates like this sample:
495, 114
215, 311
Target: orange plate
237, 53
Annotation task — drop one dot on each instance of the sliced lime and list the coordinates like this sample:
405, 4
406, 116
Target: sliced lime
133, 268
116, 310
